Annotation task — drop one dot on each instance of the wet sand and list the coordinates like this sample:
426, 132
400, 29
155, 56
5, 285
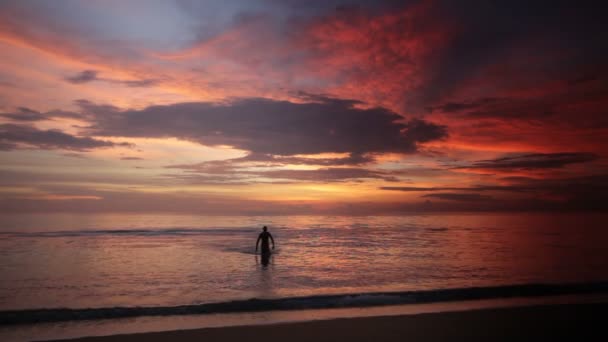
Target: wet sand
506, 324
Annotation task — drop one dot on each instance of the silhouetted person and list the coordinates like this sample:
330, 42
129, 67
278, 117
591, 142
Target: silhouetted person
264, 236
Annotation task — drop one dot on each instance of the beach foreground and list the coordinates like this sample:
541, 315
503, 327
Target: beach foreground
505, 324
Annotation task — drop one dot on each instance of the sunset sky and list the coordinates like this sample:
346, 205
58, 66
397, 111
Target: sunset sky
302, 107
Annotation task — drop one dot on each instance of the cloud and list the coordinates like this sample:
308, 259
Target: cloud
6, 146
247, 171
14, 136
460, 197
138, 83
25, 114
264, 126
383, 57
351, 159
323, 175
131, 158
328, 174
515, 107
326, 168
241, 170
472, 188
520, 184
320, 160
83, 77
74, 155
86, 76
521, 81
514, 77
451, 107
572, 193
583, 79
373, 52
534, 161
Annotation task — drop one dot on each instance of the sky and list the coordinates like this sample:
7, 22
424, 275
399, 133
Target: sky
302, 107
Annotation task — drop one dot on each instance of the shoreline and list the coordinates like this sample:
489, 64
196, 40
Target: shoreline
332, 301
152, 324
511, 323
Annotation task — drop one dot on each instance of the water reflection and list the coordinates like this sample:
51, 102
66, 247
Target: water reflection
265, 267
163, 260
263, 259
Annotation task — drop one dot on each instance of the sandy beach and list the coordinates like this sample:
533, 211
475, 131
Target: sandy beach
505, 324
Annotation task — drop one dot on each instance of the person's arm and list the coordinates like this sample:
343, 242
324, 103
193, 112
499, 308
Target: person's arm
258, 242
271, 239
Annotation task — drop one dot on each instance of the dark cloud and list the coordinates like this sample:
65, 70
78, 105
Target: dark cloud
583, 80
566, 36
25, 114
91, 111
328, 174
11, 136
265, 126
352, 159
5, 146
451, 107
272, 160
574, 193
213, 166
541, 107
521, 109
473, 188
418, 189
422, 131
86, 76
320, 7
83, 77
138, 83
472, 197
210, 179
131, 158
534, 161
74, 155
520, 184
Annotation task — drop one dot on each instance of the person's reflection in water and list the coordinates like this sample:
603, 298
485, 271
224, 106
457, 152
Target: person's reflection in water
265, 259
264, 237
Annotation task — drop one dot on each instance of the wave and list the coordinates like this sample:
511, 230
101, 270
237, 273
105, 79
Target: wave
299, 303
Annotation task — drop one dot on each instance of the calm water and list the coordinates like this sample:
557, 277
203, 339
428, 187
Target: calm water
77, 261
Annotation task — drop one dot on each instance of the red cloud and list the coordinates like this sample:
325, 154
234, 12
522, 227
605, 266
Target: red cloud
379, 59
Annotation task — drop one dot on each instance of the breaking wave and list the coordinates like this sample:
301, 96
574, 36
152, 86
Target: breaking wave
299, 303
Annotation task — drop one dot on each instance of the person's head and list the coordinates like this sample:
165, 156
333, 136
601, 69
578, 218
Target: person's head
265, 228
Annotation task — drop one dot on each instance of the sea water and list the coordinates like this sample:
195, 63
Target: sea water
81, 261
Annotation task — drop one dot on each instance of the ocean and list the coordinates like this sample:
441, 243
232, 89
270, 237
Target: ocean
104, 265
